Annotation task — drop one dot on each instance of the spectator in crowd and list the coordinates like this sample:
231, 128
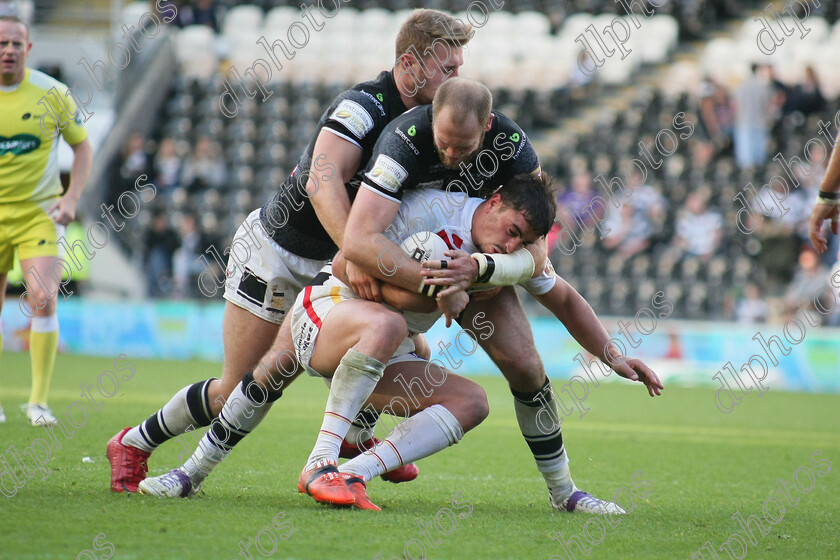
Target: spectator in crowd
134, 161
717, 116
627, 235
699, 228
640, 218
204, 168
167, 166
805, 97
197, 12
809, 282
576, 201
753, 103
751, 307
185, 263
160, 242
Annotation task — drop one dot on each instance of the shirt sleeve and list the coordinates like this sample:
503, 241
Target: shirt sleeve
542, 283
392, 166
352, 116
74, 132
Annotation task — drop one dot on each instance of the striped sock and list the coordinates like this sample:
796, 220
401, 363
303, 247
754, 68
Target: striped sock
189, 408
244, 409
536, 412
424, 434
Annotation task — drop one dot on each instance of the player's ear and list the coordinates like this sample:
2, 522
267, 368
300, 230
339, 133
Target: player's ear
406, 60
489, 123
494, 202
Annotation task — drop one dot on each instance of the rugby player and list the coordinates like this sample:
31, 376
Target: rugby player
285, 243
460, 143
34, 110
350, 340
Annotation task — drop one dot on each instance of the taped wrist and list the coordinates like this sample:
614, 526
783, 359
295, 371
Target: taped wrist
504, 270
829, 198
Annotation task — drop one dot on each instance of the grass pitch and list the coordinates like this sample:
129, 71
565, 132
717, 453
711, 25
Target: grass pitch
702, 467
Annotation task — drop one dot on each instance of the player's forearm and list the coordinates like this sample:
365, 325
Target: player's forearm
578, 317
405, 300
80, 170
831, 180
377, 255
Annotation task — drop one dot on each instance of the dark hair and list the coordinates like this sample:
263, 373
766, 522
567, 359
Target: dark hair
531, 194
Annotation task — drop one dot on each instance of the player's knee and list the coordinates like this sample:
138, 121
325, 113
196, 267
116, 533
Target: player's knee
388, 328
522, 367
474, 406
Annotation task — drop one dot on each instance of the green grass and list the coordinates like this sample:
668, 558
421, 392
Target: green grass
703, 467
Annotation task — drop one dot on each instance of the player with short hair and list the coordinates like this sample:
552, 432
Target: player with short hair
350, 340
452, 148
286, 242
34, 110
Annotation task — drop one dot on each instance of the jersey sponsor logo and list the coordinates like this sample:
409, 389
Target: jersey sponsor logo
521, 145
380, 97
25, 116
354, 117
375, 100
436, 184
387, 173
408, 142
514, 137
19, 144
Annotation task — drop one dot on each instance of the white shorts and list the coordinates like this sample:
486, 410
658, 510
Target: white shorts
261, 276
311, 308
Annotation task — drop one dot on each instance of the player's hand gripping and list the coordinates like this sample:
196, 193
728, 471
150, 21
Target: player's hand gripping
453, 305
636, 370
456, 274
366, 286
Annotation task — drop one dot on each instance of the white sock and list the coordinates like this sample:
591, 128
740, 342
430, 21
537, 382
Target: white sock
352, 384
424, 434
362, 428
242, 412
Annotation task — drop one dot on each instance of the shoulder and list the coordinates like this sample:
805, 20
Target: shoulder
40, 81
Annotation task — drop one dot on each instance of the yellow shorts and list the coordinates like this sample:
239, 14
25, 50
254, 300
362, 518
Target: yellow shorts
26, 227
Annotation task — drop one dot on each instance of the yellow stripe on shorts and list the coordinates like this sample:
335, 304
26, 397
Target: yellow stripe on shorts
334, 295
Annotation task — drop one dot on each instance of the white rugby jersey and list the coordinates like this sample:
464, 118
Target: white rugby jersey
449, 215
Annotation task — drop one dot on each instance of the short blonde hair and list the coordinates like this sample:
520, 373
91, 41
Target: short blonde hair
424, 28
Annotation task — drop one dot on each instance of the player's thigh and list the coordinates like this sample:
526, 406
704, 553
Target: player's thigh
35, 236
511, 344
366, 326
408, 387
262, 281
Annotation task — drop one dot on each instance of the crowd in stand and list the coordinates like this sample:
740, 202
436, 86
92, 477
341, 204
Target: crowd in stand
677, 229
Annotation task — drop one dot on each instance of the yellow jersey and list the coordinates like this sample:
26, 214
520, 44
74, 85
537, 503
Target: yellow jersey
32, 115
